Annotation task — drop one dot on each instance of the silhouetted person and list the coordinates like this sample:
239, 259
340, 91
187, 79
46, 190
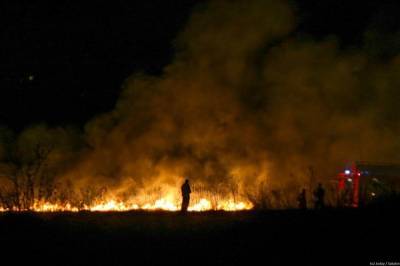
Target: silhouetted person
319, 195
185, 189
302, 200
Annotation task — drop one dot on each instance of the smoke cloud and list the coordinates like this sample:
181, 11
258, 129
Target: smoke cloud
245, 102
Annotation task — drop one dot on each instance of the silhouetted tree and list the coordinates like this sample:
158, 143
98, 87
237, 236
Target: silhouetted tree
26, 177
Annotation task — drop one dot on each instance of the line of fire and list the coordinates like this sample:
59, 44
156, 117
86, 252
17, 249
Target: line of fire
358, 185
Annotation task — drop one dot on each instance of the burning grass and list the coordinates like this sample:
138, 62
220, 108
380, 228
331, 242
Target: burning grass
99, 200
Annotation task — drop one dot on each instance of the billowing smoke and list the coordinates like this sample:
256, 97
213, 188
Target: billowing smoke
245, 103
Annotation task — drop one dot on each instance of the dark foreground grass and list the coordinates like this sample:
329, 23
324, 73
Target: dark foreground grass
291, 237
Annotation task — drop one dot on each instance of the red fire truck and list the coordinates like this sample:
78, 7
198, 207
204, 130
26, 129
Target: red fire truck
363, 182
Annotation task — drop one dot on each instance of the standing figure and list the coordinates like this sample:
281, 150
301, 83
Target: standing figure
185, 189
319, 195
302, 200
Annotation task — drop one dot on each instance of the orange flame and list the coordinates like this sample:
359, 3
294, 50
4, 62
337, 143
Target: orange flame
167, 199
160, 204
165, 204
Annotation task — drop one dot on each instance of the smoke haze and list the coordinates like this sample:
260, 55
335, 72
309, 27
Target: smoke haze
245, 102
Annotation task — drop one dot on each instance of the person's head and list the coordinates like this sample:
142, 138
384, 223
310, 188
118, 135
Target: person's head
319, 185
303, 190
186, 180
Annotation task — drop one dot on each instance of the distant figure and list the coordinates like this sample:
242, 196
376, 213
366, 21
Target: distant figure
302, 200
185, 188
319, 195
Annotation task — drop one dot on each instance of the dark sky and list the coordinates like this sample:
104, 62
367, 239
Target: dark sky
63, 63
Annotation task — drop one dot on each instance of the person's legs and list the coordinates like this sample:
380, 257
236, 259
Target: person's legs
185, 204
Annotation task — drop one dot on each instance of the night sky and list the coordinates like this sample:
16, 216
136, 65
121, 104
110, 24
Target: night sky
63, 63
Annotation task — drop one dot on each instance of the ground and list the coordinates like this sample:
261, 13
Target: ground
331, 236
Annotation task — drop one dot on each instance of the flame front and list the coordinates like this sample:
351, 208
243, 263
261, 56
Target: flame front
164, 204
165, 197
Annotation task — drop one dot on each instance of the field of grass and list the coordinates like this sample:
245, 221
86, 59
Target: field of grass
219, 238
